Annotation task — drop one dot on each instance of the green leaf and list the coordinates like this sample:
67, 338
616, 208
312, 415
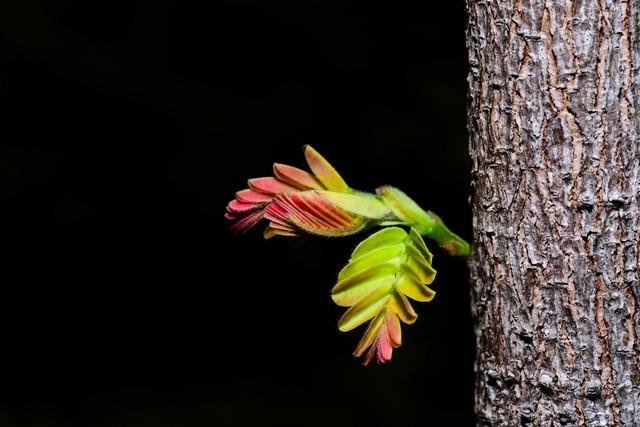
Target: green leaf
383, 255
419, 245
400, 305
384, 269
364, 310
385, 237
406, 209
349, 291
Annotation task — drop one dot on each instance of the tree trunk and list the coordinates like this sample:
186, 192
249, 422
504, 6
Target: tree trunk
554, 127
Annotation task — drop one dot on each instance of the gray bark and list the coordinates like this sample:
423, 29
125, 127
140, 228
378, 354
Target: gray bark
554, 137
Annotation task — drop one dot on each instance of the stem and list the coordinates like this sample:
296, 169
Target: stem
425, 222
449, 241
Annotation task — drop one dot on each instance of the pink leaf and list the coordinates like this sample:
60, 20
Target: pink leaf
249, 196
311, 213
235, 206
248, 221
270, 185
296, 177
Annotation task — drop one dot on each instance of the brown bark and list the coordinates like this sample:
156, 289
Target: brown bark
554, 122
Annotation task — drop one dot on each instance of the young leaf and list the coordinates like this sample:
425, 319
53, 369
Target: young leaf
363, 204
323, 170
383, 271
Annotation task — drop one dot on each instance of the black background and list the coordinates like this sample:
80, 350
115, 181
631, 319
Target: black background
126, 128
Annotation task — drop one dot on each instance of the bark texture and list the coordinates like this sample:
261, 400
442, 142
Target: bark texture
554, 122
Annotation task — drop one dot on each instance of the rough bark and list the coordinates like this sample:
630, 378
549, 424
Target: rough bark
554, 128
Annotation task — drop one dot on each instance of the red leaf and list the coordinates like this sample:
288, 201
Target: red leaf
270, 185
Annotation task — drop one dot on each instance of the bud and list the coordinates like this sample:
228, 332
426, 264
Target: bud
386, 270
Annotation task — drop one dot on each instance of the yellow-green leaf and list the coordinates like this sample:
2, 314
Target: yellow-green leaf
323, 170
383, 271
416, 239
351, 290
414, 289
380, 256
363, 204
369, 335
364, 310
385, 237
405, 208
400, 305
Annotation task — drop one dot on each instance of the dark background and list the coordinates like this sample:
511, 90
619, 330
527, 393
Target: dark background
126, 128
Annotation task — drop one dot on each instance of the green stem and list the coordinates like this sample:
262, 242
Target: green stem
425, 222
449, 241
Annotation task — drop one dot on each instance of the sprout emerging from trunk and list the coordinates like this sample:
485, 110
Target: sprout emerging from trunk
384, 271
